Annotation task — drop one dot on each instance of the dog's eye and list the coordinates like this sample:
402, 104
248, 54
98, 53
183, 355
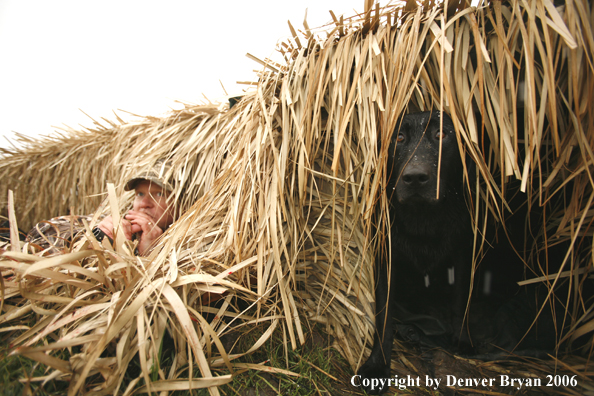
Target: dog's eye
400, 138
441, 135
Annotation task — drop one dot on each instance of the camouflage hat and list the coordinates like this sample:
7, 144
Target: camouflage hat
154, 175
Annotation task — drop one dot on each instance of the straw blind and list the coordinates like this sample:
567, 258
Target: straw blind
283, 195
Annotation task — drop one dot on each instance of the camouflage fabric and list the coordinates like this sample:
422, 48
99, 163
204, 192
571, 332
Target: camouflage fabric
154, 175
56, 235
5, 231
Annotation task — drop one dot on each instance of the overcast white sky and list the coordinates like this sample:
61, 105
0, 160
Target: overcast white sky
60, 56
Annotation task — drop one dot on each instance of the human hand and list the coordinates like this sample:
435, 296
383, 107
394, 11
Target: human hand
144, 225
106, 225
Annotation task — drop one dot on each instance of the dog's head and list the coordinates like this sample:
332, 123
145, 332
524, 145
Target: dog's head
414, 156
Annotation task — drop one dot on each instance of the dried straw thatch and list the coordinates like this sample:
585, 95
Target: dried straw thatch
280, 193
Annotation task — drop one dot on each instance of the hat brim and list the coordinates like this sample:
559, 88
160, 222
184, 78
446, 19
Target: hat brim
132, 183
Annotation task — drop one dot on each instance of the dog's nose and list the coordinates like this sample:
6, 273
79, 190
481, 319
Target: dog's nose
416, 173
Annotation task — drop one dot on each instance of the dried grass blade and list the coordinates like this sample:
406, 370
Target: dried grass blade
180, 385
14, 229
186, 323
45, 359
57, 261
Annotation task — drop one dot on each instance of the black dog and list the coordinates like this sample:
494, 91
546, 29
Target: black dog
431, 235
427, 285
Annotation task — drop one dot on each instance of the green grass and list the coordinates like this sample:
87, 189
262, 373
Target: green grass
13, 369
316, 363
322, 370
